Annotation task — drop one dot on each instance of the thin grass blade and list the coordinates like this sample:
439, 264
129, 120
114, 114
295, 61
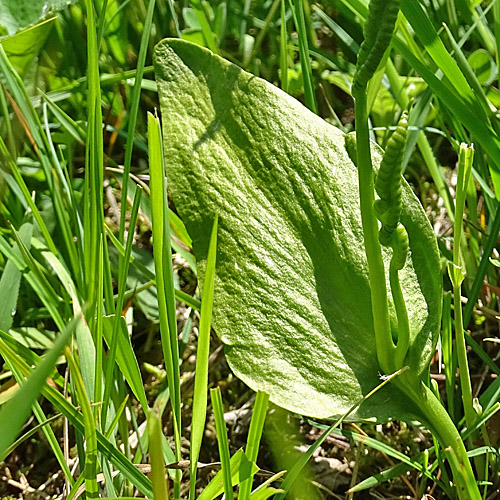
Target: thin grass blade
254, 437
202, 353
220, 425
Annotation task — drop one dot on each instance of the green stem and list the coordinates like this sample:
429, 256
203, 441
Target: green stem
457, 275
463, 364
437, 420
402, 315
376, 270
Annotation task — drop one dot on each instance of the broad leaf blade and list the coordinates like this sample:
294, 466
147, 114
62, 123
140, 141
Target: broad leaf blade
292, 301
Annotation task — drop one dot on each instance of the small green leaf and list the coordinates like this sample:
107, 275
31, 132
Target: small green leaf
11, 279
292, 298
18, 14
25, 45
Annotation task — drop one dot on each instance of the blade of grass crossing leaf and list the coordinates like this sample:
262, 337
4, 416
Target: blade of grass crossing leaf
220, 426
164, 277
134, 107
305, 61
15, 412
283, 49
110, 451
404, 467
202, 353
254, 437
91, 487
160, 486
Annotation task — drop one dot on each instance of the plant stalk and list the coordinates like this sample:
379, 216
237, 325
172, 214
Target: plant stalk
376, 270
437, 420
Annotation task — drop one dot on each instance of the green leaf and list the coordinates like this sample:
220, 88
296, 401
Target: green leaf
18, 14
292, 299
11, 279
25, 45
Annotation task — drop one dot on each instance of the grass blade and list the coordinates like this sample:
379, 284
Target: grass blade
158, 477
253, 440
305, 61
90, 472
164, 277
201, 380
134, 108
15, 412
222, 441
205, 26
